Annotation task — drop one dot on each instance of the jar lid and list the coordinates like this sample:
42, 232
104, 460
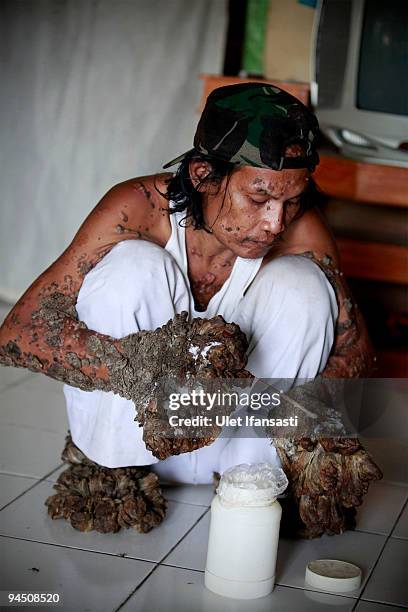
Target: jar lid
252, 484
333, 575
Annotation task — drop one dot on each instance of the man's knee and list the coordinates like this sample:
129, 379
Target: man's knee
125, 286
130, 266
287, 271
294, 291
296, 275
293, 310
131, 260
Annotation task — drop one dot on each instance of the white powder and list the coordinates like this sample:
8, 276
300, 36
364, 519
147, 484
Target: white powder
195, 350
205, 350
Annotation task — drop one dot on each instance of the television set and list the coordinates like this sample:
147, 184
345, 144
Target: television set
359, 86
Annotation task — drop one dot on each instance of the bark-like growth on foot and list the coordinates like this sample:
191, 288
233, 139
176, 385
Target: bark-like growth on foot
91, 497
328, 478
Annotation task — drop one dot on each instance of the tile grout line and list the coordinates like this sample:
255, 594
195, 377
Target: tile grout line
14, 475
37, 482
185, 535
383, 603
176, 501
310, 590
159, 563
44, 479
34, 477
185, 503
284, 586
388, 537
101, 552
298, 588
87, 550
356, 600
405, 505
355, 605
189, 569
137, 588
401, 538
277, 583
377, 533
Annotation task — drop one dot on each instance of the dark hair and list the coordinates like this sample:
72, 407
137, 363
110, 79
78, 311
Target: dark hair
186, 197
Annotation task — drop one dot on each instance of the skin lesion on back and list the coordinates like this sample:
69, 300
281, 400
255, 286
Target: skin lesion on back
42, 332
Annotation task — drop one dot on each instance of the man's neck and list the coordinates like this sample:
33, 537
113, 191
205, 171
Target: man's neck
206, 247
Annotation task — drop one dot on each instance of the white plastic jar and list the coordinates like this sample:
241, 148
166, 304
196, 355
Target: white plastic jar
244, 531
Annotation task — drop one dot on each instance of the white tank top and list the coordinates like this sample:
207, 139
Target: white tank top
225, 301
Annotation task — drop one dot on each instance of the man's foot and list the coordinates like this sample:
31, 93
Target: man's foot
91, 496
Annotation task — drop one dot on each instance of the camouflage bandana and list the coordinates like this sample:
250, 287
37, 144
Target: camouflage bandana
252, 124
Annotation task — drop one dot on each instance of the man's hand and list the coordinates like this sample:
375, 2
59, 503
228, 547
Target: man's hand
154, 363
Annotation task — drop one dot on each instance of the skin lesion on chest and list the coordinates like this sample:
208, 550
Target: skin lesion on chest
203, 289
205, 285
206, 273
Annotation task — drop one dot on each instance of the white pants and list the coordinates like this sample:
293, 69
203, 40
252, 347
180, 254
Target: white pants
288, 314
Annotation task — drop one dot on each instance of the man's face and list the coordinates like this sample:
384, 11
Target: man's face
253, 207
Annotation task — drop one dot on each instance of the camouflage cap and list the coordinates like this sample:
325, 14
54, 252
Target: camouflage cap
252, 124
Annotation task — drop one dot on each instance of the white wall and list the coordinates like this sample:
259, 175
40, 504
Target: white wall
93, 92
288, 40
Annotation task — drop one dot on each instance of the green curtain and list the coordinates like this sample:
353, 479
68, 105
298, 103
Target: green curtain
255, 31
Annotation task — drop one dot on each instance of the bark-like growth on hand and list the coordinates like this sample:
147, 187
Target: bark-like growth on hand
201, 350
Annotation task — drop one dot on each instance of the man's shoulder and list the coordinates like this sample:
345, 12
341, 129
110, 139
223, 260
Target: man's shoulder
150, 190
133, 209
136, 208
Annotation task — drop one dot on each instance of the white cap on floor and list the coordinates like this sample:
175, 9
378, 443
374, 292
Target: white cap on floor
333, 575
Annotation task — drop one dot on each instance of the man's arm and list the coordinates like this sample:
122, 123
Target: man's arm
42, 331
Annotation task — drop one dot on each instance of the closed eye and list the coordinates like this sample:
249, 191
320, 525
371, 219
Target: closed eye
257, 201
293, 201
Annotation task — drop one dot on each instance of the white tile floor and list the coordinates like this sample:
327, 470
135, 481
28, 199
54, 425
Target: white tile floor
163, 570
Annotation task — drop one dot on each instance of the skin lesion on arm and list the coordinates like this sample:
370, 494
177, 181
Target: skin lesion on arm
52, 340
42, 332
